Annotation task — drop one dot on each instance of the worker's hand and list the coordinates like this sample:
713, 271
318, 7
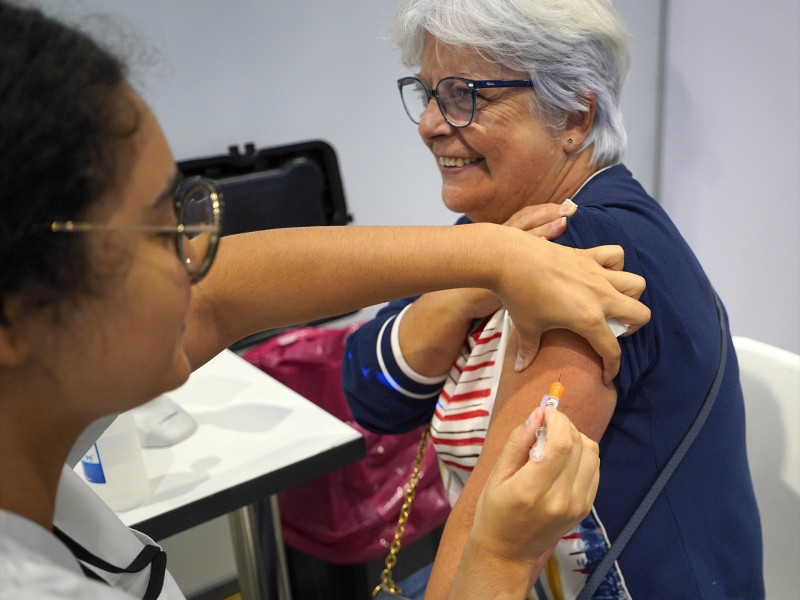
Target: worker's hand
547, 221
573, 289
526, 506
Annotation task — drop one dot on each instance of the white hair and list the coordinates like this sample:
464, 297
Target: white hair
571, 48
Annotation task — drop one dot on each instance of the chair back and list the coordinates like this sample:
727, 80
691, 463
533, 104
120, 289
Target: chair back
770, 378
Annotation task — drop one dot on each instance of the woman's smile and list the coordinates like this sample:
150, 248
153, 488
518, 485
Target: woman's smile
457, 161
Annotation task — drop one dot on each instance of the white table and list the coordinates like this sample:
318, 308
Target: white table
256, 437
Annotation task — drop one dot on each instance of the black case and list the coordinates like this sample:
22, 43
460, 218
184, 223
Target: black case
296, 185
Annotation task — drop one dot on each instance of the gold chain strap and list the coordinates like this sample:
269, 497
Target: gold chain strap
387, 582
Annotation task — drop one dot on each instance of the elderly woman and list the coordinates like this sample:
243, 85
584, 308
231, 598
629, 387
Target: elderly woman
518, 102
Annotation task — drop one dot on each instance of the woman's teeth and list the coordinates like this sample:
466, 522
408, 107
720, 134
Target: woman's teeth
449, 161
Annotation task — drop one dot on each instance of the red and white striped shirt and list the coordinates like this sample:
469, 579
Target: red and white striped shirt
461, 419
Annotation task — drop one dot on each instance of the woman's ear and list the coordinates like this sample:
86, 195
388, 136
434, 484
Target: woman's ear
14, 350
579, 125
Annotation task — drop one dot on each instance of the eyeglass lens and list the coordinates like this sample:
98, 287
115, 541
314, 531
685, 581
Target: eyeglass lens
199, 213
456, 99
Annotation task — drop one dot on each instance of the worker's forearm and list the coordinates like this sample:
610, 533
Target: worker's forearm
484, 576
280, 277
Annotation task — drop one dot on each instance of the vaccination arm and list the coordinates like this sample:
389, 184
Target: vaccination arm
587, 401
526, 507
279, 277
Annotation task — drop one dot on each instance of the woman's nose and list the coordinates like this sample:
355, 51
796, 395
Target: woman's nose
432, 122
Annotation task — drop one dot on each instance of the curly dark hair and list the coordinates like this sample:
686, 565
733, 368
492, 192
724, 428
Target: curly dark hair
66, 125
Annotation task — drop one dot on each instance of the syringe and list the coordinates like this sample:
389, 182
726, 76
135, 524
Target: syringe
550, 399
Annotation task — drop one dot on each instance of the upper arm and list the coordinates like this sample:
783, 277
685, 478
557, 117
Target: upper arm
566, 357
586, 400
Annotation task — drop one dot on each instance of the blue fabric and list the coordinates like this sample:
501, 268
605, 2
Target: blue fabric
702, 538
376, 405
412, 587
415, 584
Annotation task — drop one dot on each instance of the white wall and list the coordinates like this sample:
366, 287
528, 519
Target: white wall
730, 174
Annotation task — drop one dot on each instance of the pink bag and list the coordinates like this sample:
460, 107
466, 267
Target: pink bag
348, 516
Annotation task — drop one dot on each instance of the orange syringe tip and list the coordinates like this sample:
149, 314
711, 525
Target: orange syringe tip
556, 389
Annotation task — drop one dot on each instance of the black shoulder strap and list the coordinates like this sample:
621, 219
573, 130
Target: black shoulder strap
641, 511
150, 555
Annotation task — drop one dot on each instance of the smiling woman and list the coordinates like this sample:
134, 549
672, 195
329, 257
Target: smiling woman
525, 154
501, 141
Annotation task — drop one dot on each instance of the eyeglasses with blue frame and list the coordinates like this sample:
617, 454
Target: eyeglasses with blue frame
457, 97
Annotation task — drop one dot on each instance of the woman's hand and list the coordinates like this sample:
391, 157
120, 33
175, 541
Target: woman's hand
526, 507
547, 221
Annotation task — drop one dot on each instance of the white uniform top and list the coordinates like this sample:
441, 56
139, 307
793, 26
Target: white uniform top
36, 564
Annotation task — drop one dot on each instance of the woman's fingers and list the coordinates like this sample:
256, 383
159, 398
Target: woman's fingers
547, 221
551, 230
531, 218
516, 451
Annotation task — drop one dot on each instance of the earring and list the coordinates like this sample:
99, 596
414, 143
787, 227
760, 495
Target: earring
569, 141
